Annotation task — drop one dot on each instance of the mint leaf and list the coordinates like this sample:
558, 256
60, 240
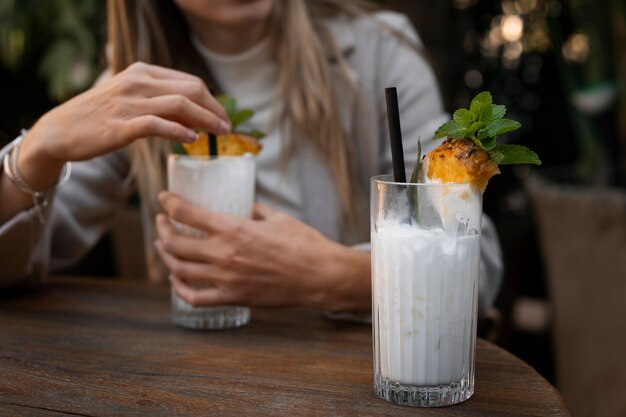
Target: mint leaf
475, 127
481, 107
488, 142
498, 127
497, 111
240, 117
178, 148
450, 129
513, 154
463, 117
255, 133
229, 104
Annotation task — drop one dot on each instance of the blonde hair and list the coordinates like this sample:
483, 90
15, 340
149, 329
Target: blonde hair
302, 48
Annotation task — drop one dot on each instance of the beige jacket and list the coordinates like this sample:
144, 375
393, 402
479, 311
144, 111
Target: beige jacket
86, 206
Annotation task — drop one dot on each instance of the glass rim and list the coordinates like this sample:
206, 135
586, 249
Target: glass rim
381, 179
210, 158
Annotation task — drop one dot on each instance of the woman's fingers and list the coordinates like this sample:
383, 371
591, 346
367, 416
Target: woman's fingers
151, 125
194, 90
190, 85
180, 109
204, 297
189, 247
155, 82
262, 211
158, 72
197, 272
207, 221
182, 246
184, 269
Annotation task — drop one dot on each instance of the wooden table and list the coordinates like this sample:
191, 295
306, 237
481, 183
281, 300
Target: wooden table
85, 347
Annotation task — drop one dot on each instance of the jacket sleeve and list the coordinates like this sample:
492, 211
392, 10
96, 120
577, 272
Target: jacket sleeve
422, 112
75, 219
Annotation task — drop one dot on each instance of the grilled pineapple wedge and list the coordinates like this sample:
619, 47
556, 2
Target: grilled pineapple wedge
232, 144
238, 142
459, 161
470, 152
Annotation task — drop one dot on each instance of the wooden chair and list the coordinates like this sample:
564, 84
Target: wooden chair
128, 244
583, 237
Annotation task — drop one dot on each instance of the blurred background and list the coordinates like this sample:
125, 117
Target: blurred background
560, 68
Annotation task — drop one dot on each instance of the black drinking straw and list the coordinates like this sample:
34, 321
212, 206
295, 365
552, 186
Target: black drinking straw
212, 146
212, 139
395, 134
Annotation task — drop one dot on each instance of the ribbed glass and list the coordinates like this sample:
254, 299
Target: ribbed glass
224, 184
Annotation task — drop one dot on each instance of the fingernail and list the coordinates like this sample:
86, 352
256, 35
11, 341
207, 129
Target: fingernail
191, 136
224, 127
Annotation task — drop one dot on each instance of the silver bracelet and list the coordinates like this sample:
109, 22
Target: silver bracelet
40, 197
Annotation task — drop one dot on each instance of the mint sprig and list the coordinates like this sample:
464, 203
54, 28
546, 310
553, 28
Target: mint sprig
238, 116
482, 123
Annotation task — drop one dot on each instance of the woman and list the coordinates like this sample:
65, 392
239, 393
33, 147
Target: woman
313, 70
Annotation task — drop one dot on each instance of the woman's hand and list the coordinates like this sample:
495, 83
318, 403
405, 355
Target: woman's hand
270, 260
141, 101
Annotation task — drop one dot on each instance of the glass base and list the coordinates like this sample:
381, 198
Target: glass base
208, 318
423, 396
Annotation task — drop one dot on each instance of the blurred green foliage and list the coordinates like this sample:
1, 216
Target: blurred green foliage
61, 40
589, 41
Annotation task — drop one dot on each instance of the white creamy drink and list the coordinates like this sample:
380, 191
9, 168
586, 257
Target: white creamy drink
425, 296
225, 184
425, 262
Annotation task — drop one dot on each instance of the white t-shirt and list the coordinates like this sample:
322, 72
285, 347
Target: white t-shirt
250, 77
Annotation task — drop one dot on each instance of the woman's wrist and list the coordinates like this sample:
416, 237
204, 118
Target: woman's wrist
345, 284
37, 168
27, 176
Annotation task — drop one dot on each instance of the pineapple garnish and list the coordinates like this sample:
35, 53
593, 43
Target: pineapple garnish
231, 144
236, 143
460, 161
470, 152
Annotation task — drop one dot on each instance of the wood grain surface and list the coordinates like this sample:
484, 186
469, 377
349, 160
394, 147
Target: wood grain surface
107, 348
